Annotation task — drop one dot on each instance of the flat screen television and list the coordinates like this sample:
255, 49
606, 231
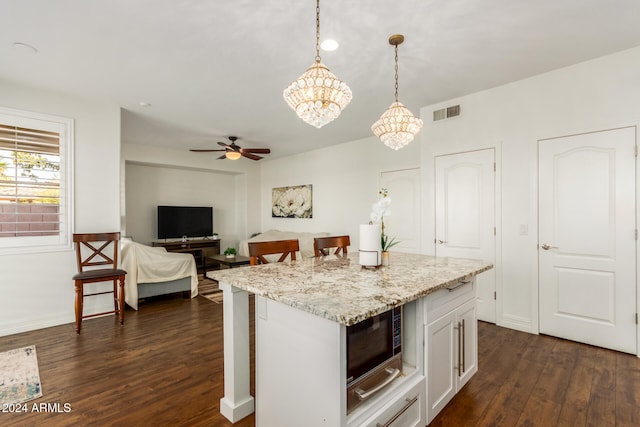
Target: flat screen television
190, 221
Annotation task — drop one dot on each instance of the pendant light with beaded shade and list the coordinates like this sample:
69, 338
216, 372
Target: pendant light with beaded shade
318, 96
397, 126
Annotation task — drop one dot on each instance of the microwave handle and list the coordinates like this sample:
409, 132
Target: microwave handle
393, 374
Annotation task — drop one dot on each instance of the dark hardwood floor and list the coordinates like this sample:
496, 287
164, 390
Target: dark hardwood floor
164, 367
538, 380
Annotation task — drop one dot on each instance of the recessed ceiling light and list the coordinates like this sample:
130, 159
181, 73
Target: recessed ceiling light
25, 47
144, 104
329, 45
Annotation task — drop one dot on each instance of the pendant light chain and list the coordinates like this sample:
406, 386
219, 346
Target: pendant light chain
396, 73
317, 30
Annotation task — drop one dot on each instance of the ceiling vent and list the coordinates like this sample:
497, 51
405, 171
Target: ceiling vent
446, 113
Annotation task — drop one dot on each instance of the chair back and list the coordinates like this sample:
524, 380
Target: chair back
257, 250
321, 245
96, 249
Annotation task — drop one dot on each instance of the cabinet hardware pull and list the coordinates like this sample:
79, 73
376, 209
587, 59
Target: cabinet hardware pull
464, 331
457, 285
459, 350
400, 412
393, 374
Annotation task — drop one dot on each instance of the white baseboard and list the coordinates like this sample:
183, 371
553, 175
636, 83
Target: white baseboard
517, 323
33, 324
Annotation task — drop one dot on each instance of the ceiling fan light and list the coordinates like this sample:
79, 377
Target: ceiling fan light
232, 155
397, 126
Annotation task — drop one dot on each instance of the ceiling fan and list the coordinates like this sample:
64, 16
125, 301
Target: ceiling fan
234, 152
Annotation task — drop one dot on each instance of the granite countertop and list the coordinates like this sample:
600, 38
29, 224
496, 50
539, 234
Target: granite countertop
339, 289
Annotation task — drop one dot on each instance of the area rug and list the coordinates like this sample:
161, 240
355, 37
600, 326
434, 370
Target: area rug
19, 376
209, 289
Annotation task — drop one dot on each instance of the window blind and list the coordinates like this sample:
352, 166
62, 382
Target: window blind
29, 182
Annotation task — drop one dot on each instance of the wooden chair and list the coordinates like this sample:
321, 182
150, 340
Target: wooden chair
322, 244
98, 249
257, 250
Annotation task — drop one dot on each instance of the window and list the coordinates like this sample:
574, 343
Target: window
35, 181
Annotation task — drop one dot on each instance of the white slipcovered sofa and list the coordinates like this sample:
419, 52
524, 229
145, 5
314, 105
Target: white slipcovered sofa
153, 271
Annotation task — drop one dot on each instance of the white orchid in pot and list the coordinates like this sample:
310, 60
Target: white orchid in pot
380, 209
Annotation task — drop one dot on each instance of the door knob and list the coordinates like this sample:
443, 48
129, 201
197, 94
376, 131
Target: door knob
440, 242
547, 246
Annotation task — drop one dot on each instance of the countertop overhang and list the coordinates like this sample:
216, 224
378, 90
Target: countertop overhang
341, 290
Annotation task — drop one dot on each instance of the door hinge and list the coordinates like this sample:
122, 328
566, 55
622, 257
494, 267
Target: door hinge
636, 233
494, 231
636, 318
495, 295
635, 151
494, 163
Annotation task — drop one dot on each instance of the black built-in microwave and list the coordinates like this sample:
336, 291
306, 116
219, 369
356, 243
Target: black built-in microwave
374, 355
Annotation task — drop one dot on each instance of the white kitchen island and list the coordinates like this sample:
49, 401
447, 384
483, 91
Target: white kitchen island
302, 311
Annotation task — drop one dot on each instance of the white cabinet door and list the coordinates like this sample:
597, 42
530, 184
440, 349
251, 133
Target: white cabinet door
440, 342
452, 355
467, 333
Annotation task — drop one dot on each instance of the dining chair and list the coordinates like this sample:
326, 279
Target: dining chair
98, 250
257, 250
321, 245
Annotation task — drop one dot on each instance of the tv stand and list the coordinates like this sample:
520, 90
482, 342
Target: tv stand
201, 249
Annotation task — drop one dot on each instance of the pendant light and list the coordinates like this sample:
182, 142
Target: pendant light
397, 126
318, 96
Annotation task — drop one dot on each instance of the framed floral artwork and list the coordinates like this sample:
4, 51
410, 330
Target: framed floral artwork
292, 202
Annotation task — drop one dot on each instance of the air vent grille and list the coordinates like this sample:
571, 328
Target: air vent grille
446, 113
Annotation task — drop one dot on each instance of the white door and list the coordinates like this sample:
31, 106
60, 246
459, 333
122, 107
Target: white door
465, 216
404, 222
587, 243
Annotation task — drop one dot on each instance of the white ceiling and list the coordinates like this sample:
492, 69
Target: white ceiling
216, 68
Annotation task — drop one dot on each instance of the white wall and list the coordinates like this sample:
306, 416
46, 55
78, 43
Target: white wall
155, 175
345, 179
36, 289
595, 95
150, 186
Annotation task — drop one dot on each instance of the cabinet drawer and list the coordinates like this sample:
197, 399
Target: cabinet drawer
443, 301
406, 411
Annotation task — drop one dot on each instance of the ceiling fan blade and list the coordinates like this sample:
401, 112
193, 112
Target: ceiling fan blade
256, 150
249, 155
